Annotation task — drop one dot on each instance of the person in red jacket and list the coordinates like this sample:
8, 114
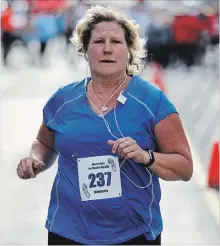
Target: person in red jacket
7, 28
10, 31
186, 31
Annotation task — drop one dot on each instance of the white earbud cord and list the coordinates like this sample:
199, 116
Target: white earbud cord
109, 130
124, 80
141, 187
101, 114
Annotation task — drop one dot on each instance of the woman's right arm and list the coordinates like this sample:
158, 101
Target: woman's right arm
42, 155
43, 148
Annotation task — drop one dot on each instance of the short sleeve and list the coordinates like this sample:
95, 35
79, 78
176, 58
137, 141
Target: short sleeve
51, 109
164, 108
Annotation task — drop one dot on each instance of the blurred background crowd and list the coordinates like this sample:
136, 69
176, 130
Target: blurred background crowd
176, 31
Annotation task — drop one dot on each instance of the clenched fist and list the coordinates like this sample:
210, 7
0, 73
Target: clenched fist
29, 168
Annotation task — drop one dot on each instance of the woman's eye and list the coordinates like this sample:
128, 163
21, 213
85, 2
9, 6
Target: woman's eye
99, 41
116, 41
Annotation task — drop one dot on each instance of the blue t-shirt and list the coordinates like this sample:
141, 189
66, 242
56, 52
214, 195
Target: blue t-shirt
80, 132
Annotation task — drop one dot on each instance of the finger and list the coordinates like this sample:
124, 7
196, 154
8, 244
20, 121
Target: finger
23, 167
135, 155
121, 147
20, 174
20, 171
38, 164
127, 150
29, 166
111, 142
125, 144
131, 155
116, 145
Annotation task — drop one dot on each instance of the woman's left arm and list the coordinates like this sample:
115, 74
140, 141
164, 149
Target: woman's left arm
174, 160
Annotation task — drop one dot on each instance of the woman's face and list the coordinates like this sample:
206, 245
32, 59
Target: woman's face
107, 49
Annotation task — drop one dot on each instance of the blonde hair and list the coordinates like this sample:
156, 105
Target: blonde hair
96, 14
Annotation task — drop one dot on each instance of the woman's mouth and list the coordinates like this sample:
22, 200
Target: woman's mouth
108, 61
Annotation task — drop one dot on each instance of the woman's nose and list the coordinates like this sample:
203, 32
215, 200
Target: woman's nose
107, 47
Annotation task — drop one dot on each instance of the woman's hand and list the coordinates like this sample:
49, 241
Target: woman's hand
29, 168
129, 149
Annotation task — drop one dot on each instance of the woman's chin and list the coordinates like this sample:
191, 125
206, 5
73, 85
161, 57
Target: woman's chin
108, 72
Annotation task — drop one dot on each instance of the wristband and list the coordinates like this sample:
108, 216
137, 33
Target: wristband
152, 159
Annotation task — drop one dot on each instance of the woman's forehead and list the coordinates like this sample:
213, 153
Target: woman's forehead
108, 28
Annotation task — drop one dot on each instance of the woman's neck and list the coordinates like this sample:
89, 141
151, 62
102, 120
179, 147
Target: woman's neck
103, 83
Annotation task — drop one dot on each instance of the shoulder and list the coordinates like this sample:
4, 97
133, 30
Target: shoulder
66, 93
144, 90
153, 99
76, 86
70, 90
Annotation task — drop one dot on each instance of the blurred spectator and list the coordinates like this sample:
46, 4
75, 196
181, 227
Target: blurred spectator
159, 40
44, 23
212, 25
186, 30
140, 13
46, 28
72, 15
11, 30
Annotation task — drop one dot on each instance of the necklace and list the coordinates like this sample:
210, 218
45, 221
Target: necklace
105, 107
97, 94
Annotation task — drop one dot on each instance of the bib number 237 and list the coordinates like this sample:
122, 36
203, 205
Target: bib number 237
99, 177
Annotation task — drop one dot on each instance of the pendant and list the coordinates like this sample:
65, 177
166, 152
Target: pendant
104, 108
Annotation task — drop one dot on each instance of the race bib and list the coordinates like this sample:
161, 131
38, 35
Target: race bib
99, 177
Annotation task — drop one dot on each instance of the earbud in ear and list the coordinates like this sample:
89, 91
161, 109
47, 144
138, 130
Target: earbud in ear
86, 57
129, 56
